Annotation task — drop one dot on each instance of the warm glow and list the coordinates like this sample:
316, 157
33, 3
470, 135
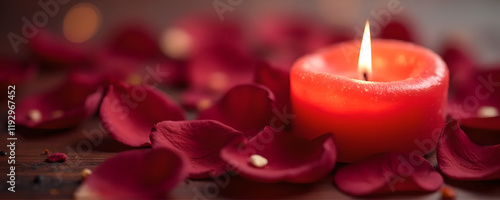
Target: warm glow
365, 55
81, 22
176, 43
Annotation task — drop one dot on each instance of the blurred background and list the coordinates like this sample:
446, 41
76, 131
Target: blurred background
197, 50
432, 22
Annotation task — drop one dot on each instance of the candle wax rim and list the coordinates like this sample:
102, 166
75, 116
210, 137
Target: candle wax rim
417, 82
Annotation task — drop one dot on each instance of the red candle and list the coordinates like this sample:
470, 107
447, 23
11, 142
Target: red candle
399, 108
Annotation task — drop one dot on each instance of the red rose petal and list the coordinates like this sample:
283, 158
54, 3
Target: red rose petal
397, 30
475, 92
459, 158
129, 112
135, 174
56, 51
74, 101
290, 158
388, 173
481, 88
57, 157
489, 123
247, 108
482, 131
277, 80
199, 140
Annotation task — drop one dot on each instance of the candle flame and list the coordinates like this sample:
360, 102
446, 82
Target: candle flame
365, 55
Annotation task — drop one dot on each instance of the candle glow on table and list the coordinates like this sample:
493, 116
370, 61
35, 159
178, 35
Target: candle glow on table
392, 100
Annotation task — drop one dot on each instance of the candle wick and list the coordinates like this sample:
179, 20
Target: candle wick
365, 76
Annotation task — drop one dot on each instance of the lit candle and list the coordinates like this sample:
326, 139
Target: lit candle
392, 100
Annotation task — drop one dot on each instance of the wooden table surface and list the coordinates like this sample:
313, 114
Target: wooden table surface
61, 179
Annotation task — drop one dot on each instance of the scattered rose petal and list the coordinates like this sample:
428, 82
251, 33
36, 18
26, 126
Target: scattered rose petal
482, 126
199, 140
76, 100
135, 41
460, 158
489, 123
475, 92
479, 88
482, 131
56, 51
247, 108
129, 112
388, 173
397, 30
57, 157
290, 158
135, 174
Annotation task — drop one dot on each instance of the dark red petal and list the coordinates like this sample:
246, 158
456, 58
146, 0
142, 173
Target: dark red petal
482, 131
290, 158
397, 30
277, 80
15, 72
135, 174
482, 86
129, 112
475, 92
136, 41
56, 51
71, 103
57, 157
388, 173
247, 108
459, 158
199, 140
489, 123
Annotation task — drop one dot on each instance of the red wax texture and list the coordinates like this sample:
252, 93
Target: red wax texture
401, 109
